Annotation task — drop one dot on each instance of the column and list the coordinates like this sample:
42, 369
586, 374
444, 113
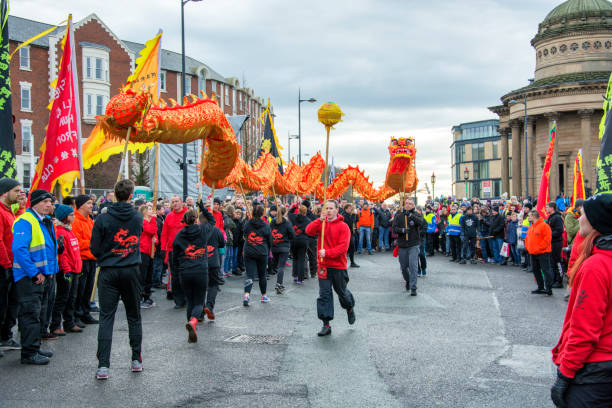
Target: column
516, 157
531, 156
586, 137
553, 182
505, 182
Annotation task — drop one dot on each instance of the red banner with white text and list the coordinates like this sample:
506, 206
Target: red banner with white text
59, 154
543, 197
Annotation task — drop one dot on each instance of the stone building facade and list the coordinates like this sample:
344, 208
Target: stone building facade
104, 63
573, 50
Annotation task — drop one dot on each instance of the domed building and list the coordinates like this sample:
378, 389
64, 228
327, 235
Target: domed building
573, 51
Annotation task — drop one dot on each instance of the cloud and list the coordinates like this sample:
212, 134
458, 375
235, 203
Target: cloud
401, 68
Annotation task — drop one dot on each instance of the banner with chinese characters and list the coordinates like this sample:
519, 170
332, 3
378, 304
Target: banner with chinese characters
543, 197
8, 165
604, 160
59, 154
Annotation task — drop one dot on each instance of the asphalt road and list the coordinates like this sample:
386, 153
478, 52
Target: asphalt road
473, 337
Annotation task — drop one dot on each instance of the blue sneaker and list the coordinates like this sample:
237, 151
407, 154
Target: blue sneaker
265, 299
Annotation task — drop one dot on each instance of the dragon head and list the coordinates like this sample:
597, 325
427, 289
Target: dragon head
402, 147
127, 107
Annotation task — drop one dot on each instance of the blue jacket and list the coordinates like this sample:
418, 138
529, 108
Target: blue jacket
29, 262
511, 234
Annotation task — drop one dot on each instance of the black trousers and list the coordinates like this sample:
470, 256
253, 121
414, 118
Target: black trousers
351, 249
9, 304
279, 260
30, 297
214, 280
194, 286
435, 241
555, 259
336, 279
470, 251
255, 265
299, 259
146, 275
86, 283
455, 246
541, 270
46, 303
312, 256
589, 395
430, 244
65, 301
115, 284
177, 288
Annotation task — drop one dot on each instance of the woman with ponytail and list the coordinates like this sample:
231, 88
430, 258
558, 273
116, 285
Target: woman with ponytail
584, 351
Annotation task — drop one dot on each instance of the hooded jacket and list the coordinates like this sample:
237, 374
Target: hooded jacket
366, 219
258, 238
299, 227
572, 226
115, 238
29, 261
586, 336
538, 240
69, 260
215, 241
6, 236
383, 217
555, 221
172, 225
407, 226
282, 235
469, 225
336, 242
149, 230
190, 251
350, 220
497, 226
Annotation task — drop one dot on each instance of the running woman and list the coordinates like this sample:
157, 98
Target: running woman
258, 240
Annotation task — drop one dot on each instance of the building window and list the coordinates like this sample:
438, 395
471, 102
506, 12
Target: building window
95, 64
24, 58
27, 175
101, 71
87, 73
26, 96
496, 149
99, 104
478, 151
227, 99
510, 167
95, 104
496, 188
162, 81
187, 84
460, 154
27, 140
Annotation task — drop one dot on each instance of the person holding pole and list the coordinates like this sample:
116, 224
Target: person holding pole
115, 242
334, 238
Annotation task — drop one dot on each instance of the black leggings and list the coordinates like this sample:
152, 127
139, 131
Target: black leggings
194, 288
65, 301
279, 260
146, 275
299, 260
255, 265
213, 287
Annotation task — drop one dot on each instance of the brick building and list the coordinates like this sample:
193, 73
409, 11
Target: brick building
104, 63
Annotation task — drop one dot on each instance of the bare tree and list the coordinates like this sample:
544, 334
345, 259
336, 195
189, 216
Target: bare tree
140, 166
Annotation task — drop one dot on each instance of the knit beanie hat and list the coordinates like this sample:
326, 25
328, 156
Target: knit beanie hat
39, 195
82, 199
62, 211
7, 184
598, 210
306, 203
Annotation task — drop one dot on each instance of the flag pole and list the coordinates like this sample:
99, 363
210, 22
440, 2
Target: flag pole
123, 154
77, 104
246, 203
155, 188
201, 172
327, 129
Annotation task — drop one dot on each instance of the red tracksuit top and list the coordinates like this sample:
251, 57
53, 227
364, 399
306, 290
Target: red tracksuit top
70, 260
586, 336
337, 240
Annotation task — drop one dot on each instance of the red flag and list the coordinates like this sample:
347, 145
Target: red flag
543, 197
578, 191
60, 153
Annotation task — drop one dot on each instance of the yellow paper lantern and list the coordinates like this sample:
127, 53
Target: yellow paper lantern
330, 114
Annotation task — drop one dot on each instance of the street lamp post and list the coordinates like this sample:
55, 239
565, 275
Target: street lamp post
466, 177
300, 100
433, 185
289, 137
524, 103
183, 2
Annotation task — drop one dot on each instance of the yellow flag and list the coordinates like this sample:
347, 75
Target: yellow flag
146, 74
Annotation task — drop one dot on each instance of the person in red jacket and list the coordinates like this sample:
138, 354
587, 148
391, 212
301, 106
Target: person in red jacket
332, 265
172, 225
9, 195
583, 354
148, 238
70, 264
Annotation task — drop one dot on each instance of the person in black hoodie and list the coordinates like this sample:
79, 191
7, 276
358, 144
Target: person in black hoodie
555, 222
312, 244
257, 244
115, 242
497, 225
158, 259
407, 225
300, 244
216, 249
282, 235
469, 229
350, 218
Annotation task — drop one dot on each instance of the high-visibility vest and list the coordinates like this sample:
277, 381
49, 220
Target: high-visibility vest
454, 227
524, 228
37, 244
431, 223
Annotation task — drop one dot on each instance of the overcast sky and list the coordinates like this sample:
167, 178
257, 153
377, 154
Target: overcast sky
396, 68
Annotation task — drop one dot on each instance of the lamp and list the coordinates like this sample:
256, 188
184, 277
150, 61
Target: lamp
300, 100
466, 177
433, 185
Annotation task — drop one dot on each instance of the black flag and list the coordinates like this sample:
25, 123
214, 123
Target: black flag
604, 160
8, 165
269, 145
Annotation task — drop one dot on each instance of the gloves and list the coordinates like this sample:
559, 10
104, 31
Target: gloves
60, 245
558, 390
